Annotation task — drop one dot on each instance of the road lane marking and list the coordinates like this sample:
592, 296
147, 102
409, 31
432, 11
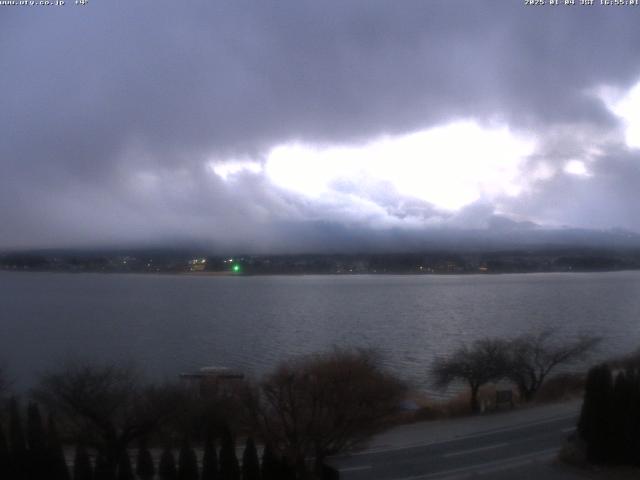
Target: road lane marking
568, 430
545, 455
486, 467
355, 469
474, 450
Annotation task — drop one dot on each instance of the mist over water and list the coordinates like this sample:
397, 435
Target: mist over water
169, 324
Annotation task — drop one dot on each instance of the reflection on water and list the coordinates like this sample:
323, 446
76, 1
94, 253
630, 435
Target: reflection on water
168, 324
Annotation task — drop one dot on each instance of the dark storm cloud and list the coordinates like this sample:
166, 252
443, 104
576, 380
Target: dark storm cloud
111, 111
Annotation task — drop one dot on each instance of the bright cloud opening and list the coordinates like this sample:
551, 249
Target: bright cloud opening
627, 107
449, 166
576, 167
225, 170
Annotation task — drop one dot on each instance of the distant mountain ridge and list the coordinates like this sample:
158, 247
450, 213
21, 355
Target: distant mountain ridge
506, 247
335, 238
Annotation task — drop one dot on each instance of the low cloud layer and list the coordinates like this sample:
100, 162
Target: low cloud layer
153, 121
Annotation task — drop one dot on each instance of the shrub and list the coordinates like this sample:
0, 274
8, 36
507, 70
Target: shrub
57, 463
82, 469
250, 463
144, 463
229, 468
187, 462
210, 469
125, 472
167, 466
610, 419
593, 425
321, 405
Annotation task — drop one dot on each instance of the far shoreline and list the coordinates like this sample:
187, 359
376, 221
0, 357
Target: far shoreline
317, 274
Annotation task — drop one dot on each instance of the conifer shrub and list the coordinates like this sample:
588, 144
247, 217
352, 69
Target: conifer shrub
187, 462
270, 466
210, 470
250, 462
125, 472
145, 469
167, 467
82, 468
58, 468
609, 421
229, 467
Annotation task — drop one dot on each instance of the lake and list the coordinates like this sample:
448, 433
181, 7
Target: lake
169, 324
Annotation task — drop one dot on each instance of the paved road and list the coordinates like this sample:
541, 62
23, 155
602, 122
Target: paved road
489, 453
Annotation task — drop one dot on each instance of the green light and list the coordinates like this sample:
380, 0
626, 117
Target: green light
236, 268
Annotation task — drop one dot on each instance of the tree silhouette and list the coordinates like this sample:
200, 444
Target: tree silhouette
210, 460
82, 469
532, 357
167, 466
319, 405
229, 468
270, 466
109, 400
187, 462
485, 361
17, 444
144, 463
5, 464
287, 471
250, 463
593, 425
57, 462
125, 472
37, 443
104, 469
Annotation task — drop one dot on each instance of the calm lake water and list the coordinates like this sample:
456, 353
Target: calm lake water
169, 324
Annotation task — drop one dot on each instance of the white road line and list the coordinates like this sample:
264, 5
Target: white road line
487, 467
568, 430
474, 450
355, 469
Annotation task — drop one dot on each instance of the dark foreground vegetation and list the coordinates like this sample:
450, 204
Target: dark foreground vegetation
525, 361
609, 427
115, 425
304, 411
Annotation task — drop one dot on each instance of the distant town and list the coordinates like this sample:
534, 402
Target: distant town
432, 262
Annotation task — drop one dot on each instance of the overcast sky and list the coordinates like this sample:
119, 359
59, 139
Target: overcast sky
268, 124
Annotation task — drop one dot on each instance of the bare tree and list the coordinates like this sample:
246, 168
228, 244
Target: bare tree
532, 357
484, 361
108, 403
324, 404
